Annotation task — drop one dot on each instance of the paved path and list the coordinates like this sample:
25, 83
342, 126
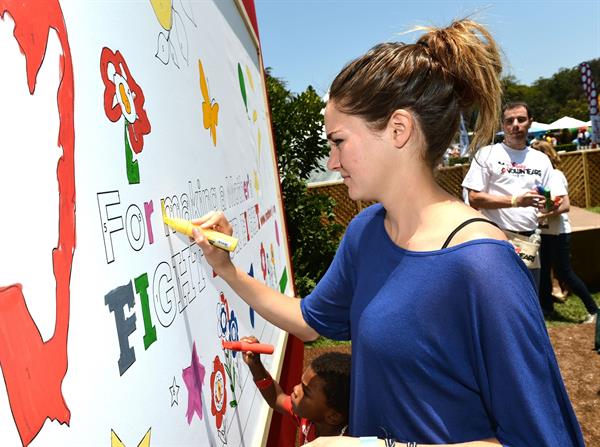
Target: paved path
582, 219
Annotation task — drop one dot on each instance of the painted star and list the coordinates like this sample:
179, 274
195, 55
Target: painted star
193, 376
116, 442
174, 389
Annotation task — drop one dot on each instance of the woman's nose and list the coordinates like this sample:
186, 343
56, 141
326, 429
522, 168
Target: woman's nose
333, 162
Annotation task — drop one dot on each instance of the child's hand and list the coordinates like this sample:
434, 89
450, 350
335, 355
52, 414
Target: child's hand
557, 202
251, 358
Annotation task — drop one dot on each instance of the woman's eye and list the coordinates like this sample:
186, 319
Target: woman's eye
337, 142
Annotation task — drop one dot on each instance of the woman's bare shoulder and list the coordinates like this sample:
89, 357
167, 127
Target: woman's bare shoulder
474, 230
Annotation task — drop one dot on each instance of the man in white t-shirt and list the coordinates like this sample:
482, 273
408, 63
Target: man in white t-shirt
503, 177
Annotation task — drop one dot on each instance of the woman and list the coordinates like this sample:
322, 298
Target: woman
555, 251
448, 341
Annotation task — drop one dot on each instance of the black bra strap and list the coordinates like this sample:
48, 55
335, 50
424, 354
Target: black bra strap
464, 224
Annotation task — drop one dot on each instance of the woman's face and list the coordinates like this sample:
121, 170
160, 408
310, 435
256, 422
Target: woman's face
357, 153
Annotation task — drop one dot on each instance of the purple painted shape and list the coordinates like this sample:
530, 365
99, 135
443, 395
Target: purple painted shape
148, 210
193, 377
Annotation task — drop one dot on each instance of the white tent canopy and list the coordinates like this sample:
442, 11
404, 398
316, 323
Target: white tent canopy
538, 127
566, 122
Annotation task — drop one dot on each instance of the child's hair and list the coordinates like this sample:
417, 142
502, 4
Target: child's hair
448, 71
334, 369
548, 149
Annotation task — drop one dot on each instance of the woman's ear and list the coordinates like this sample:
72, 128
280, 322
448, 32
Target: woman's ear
402, 125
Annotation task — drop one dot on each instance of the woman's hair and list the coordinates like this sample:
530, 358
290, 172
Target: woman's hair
448, 71
548, 149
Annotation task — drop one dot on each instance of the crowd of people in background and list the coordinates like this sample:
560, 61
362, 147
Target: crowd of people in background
562, 140
581, 137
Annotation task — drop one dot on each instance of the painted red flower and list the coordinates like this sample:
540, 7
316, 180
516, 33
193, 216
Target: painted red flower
123, 97
218, 390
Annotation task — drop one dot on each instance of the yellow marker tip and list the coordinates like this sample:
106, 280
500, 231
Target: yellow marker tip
164, 212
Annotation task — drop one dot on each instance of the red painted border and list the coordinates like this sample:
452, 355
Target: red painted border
282, 431
251, 11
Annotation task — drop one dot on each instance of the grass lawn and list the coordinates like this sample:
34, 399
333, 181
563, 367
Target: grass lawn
572, 310
323, 342
569, 312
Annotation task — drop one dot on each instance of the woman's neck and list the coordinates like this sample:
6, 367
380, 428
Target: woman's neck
415, 211
405, 200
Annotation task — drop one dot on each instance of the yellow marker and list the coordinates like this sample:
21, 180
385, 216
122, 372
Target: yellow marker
184, 226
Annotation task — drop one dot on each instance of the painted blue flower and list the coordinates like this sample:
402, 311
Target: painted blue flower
222, 314
233, 329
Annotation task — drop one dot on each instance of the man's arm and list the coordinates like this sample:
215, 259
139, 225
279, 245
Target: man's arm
480, 199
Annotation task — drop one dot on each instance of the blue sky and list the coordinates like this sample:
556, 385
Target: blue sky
308, 42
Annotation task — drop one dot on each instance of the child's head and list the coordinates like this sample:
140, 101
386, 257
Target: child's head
324, 393
548, 149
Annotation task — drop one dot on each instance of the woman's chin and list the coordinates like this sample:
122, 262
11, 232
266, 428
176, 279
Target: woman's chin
356, 195
352, 193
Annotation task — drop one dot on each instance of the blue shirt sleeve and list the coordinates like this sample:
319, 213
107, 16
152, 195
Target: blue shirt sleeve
514, 362
327, 308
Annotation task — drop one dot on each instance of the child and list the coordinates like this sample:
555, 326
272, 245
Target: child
319, 404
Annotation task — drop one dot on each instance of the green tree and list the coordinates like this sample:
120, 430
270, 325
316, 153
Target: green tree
552, 98
300, 144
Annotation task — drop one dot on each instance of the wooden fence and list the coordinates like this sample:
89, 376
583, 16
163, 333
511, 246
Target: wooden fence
582, 169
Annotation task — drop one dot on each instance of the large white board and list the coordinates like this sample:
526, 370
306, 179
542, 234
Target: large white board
110, 323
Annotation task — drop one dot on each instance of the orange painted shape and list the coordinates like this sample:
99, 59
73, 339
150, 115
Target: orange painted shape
33, 370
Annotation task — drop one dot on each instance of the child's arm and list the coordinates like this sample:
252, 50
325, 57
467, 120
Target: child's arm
268, 387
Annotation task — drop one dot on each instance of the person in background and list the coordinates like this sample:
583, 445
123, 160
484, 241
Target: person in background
503, 177
319, 403
449, 345
555, 249
583, 137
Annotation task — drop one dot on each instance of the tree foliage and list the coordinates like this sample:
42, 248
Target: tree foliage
554, 97
300, 144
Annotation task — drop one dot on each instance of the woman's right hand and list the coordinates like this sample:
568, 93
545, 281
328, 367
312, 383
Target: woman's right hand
218, 258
